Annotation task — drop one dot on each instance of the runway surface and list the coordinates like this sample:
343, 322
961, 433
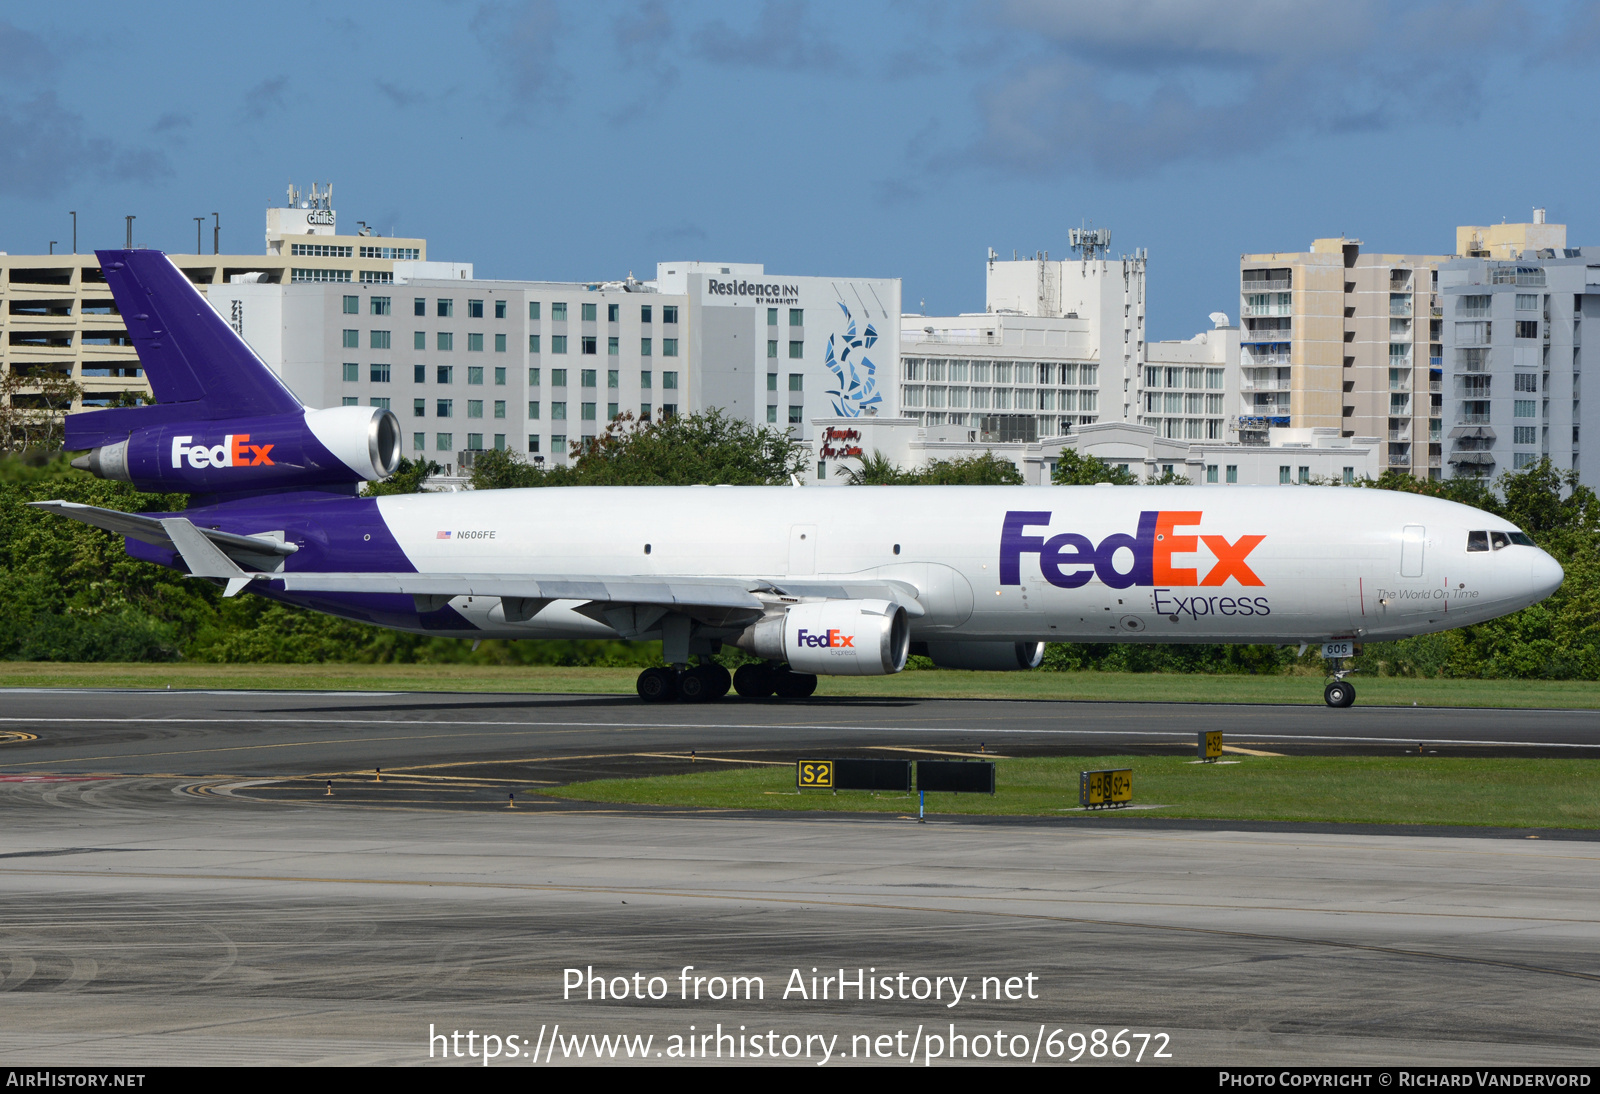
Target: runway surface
273, 733
154, 910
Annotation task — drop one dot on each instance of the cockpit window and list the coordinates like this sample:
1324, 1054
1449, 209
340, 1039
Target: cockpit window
1498, 540
1477, 541
1522, 539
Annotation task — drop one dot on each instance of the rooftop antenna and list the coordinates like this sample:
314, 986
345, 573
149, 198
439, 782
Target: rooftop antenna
216, 234
199, 222
74, 231
1089, 242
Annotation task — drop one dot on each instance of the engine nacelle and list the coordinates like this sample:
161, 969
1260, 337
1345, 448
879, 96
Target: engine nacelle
333, 447
983, 656
834, 638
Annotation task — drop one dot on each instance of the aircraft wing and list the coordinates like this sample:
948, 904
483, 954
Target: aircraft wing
524, 595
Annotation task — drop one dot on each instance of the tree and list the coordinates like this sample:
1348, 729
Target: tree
503, 469
708, 448
985, 470
875, 470
1075, 468
32, 406
407, 478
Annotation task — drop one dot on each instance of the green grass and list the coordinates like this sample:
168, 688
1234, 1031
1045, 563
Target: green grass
944, 684
1517, 793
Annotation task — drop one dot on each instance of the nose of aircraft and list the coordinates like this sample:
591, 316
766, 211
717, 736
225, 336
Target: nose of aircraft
1544, 575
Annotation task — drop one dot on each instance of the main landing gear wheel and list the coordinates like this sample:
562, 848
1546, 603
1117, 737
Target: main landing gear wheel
704, 683
658, 685
1339, 694
794, 685
760, 681
753, 681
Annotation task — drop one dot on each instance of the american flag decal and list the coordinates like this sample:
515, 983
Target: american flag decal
444, 535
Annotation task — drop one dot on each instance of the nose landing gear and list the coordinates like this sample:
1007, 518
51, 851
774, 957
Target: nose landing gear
1340, 692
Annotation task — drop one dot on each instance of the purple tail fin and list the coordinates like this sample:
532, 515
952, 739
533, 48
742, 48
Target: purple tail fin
198, 367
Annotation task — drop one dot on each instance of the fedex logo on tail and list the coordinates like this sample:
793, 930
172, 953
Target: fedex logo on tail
234, 451
1069, 560
829, 639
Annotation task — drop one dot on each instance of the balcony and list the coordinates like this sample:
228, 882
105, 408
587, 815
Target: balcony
1399, 434
1263, 360
1398, 310
1472, 419
1263, 385
1399, 459
1268, 334
1277, 311
1436, 386
1281, 285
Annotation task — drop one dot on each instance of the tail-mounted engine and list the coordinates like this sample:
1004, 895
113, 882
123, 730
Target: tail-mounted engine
311, 448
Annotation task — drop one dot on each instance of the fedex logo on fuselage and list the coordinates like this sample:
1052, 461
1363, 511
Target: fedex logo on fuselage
234, 451
1069, 560
829, 639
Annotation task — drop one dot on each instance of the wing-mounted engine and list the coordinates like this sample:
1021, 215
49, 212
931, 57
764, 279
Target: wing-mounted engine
983, 656
308, 448
834, 637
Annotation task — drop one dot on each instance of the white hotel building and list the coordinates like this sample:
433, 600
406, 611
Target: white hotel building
470, 364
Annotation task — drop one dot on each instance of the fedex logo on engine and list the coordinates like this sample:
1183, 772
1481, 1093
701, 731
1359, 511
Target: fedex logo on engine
1069, 560
234, 451
829, 639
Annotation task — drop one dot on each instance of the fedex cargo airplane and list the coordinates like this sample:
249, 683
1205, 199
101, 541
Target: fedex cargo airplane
812, 582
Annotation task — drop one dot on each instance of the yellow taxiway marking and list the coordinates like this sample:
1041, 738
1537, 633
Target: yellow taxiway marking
940, 752
1236, 750
709, 759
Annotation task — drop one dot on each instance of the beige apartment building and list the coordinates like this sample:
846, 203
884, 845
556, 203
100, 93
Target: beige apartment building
1335, 338
57, 316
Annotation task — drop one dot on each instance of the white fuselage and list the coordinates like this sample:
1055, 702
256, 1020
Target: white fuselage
1329, 562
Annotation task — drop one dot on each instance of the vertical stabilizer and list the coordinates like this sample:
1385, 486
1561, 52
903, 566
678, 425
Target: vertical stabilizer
188, 352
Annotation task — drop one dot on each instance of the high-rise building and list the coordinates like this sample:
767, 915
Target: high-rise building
471, 364
1335, 338
1059, 344
57, 316
1513, 350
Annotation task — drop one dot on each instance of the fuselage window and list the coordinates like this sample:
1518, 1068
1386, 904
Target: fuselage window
1522, 539
1477, 541
1498, 540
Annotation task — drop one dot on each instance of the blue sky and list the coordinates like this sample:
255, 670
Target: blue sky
584, 140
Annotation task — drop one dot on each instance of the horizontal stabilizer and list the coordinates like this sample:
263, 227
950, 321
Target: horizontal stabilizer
153, 531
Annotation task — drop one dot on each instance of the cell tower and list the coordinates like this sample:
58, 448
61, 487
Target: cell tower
1089, 242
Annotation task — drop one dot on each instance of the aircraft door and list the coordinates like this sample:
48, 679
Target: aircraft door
802, 549
1412, 541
